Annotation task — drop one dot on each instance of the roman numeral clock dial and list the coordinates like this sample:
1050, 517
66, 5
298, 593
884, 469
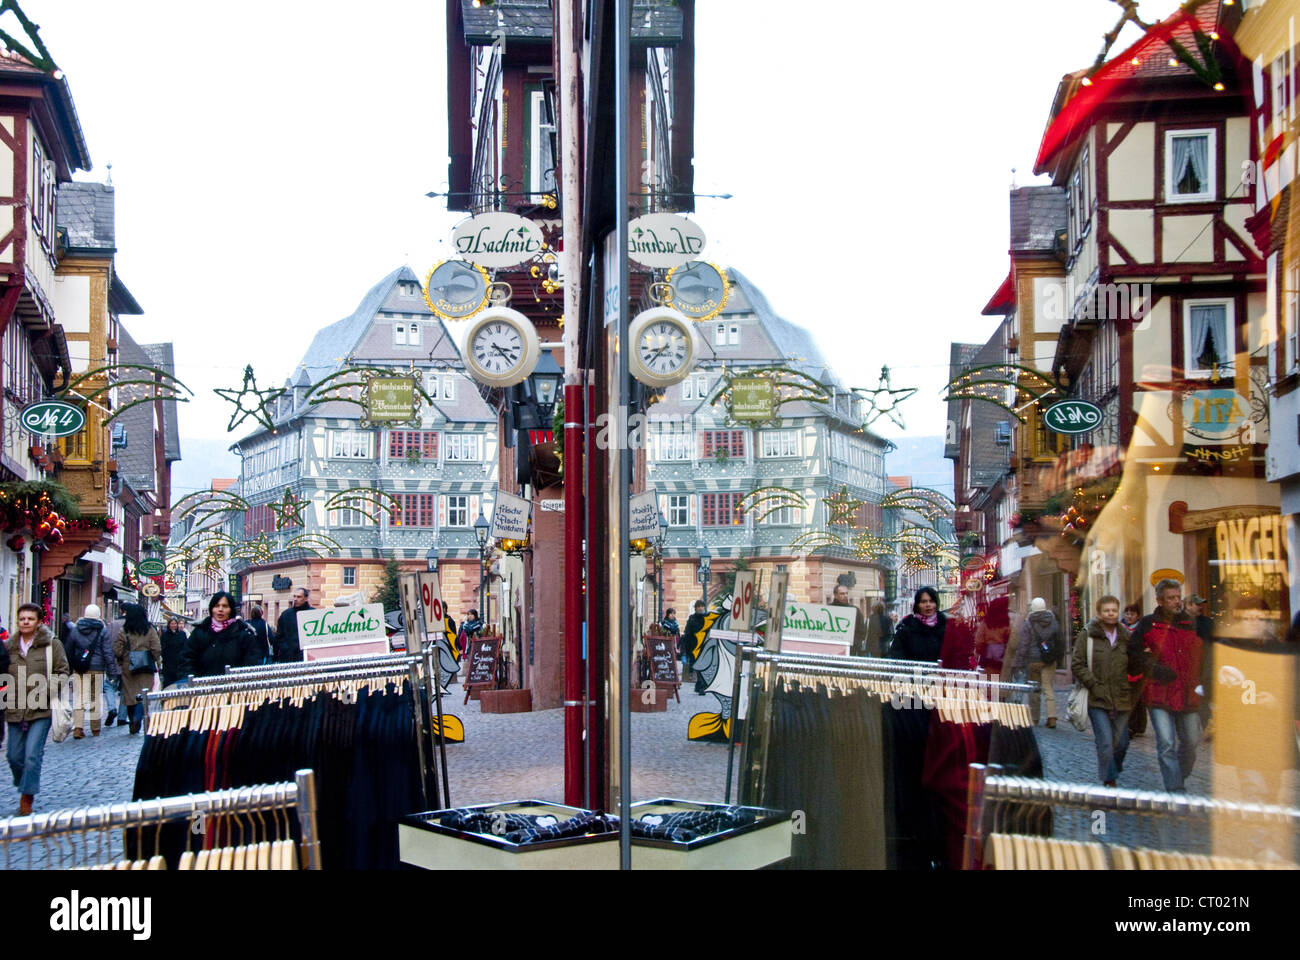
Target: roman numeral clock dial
502, 347
665, 347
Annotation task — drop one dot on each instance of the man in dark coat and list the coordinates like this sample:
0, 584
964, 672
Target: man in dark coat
686, 647
1166, 649
1041, 648
173, 643
286, 647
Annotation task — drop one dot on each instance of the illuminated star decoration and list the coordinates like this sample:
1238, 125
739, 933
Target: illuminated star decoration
250, 401
844, 508
259, 550
288, 512
885, 400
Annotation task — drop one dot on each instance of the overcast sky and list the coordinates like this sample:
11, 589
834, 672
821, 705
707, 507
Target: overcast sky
271, 160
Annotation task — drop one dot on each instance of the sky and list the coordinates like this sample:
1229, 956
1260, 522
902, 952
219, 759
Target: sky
271, 161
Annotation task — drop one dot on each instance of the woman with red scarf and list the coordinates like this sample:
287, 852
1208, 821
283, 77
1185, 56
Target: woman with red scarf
220, 640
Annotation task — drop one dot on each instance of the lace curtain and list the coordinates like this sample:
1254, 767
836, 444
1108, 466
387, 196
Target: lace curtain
1191, 164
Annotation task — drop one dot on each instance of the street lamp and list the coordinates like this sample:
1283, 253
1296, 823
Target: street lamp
481, 528
545, 380
659, 561
705, 556
431, 559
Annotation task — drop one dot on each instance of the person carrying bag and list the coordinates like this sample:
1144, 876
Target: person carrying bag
137, 649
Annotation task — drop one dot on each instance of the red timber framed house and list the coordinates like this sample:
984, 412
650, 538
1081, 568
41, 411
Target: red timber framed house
502, 61
41, 146
1164, 310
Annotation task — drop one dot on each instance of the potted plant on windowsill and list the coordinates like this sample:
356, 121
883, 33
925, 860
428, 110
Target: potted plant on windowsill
413, 456
721, 455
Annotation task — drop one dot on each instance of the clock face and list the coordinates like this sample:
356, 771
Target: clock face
498, 347
502, 347
662, 348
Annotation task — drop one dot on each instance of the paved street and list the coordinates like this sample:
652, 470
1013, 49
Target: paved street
518, 756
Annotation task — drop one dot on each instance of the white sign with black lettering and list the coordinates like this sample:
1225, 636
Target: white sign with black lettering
643, 517
510, 517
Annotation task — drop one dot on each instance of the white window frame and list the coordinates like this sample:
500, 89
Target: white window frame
679, 502
786, 516
451, 506
449, 388
399, 333
1230, 322
673, 446
733, 334
458, 446
347, 445
785, 443
1212, 170
431, 385
720, 335
412, 333
349, 576
349, 517
688, 388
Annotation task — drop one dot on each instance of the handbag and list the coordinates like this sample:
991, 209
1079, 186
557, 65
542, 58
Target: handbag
141, 661
1077, 710
60, 708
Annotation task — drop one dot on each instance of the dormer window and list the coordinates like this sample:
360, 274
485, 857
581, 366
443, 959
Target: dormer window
406, 333
1189, 165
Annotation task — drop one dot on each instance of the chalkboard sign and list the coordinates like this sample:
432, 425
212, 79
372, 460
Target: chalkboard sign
663, 659
482, 664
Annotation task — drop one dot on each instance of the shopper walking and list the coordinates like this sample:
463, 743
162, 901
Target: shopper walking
1039, 651
690, 640
669, 624
138, 650
221, 639
33, 651
1164, 649
286, 647
113, 682
257, 624
172, 640
90, 657
1104, 642
880, 631
1137, 717
919, 636
1195, 607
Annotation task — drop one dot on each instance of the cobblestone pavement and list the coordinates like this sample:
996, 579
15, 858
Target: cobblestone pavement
521, 756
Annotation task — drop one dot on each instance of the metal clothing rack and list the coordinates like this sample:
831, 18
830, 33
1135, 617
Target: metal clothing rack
918, 680
986, 785
290, 677
63, 824
304, 666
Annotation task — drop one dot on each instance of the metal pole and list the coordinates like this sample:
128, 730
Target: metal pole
306, 780
621, 649
482, 580
420, 738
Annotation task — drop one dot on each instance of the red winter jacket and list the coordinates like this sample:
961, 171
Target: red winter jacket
1176, 645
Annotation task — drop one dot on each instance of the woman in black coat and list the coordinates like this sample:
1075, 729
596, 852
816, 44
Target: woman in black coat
919, 636
220, 640
173, 645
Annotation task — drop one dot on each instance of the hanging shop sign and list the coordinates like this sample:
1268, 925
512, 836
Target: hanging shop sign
150, 589
643, 517
510, 517
355, 623
661, 240
699, 290
151, 568
236, 586
753, 399
456, 290
53, 418
280, 583
1072, 416
1251, 551
391, 399
1214, 414
1213, 455
434, 610
1166, 573
497, 239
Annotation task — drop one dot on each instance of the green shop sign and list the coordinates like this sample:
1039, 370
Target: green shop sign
391, 399
753, 399
1072, 416
53, 418
151, 568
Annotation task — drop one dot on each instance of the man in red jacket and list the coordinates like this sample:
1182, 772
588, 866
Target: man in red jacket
1165, 648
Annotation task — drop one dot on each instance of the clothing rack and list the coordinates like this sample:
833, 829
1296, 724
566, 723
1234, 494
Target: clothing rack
299, 795
409, 668
986, 785
375, 659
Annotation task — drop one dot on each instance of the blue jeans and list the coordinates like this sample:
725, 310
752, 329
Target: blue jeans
26, 753
1111, 734
1176, 760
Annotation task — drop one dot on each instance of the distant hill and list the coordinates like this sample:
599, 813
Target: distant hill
922, 459
202, 459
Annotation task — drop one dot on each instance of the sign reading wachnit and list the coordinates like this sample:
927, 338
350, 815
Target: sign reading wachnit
663, 240
53, 418
341, 625
497, 239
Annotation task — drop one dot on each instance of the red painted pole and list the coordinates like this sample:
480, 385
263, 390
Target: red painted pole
574, 515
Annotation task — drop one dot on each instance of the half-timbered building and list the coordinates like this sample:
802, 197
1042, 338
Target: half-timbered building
1164, 316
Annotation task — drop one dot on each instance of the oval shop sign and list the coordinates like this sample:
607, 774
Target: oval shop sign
497, 239
53, 418
1072, 416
